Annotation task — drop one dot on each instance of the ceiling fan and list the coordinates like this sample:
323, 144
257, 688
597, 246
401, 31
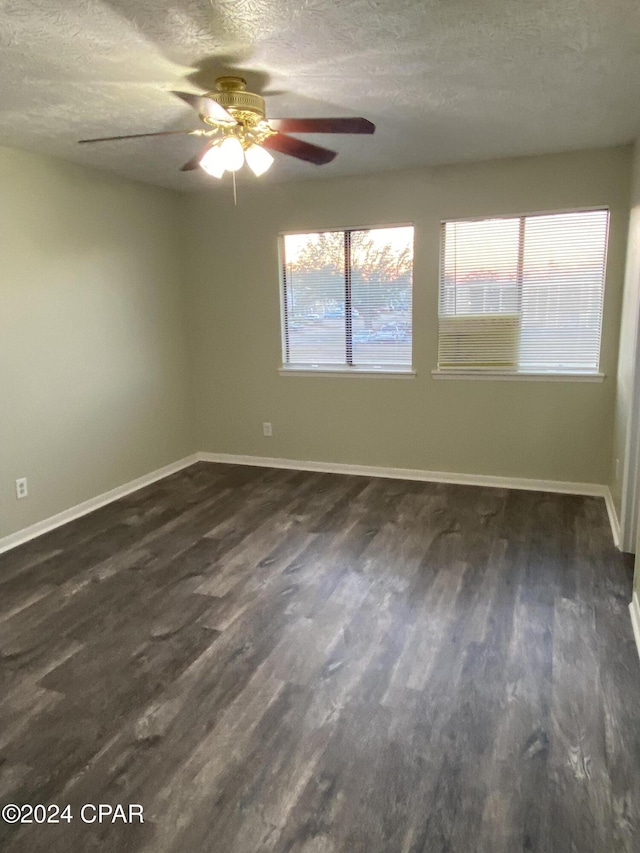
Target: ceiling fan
238, 131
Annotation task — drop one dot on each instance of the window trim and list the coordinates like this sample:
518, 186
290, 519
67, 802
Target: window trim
516, 374
518, 215
354, 372
287, 368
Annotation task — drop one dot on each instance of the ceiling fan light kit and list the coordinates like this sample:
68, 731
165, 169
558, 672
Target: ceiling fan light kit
212, 161
240, 119
229, 155
240, 132
258, 159
232, 153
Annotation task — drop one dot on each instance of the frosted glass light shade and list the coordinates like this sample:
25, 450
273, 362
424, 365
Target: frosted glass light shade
232, 153
258, 159
213, 162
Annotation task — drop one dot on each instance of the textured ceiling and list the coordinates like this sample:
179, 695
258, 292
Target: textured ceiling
443, 80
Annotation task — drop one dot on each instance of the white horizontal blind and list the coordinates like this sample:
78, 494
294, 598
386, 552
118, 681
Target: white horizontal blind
381, 295
314, 275
543, 272
348, 298
563, 290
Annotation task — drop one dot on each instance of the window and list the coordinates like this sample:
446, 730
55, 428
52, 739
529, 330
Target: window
523, 294
347, 300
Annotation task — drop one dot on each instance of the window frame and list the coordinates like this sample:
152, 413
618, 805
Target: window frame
332, 369
518, 374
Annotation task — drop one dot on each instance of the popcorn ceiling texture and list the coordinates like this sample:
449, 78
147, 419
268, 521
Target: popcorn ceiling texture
444, 81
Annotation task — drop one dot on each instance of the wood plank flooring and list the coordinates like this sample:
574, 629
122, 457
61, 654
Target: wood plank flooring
287, 662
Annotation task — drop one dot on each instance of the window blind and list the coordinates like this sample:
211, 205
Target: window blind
347, 298
523, 293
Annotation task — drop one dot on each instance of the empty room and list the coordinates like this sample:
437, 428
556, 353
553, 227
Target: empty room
320, 426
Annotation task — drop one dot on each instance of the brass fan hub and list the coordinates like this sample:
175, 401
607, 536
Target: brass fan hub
245, 107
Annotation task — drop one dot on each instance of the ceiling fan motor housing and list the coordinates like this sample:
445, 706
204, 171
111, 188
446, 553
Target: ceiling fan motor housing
244, 106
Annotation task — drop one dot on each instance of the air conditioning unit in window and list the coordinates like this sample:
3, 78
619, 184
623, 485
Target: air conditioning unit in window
479, 341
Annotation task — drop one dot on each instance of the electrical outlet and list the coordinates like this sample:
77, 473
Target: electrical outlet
21, 488
266, 429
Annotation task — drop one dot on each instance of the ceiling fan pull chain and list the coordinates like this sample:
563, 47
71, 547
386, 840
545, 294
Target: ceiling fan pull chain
235, 197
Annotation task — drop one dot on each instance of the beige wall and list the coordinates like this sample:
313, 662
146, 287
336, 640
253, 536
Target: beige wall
546, 430
121, 352
92, 337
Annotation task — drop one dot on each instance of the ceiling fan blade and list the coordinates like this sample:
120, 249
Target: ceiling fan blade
192, 164
298, 148
137, 136
322, 125
206, 107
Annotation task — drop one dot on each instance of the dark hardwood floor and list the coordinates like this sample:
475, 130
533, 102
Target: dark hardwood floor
311, 663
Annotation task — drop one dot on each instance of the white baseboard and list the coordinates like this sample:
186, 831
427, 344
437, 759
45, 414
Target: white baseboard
558, 486
614, 521
40, 527
634, 609
523, 483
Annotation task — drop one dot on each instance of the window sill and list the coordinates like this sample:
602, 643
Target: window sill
350, 372
517, 377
